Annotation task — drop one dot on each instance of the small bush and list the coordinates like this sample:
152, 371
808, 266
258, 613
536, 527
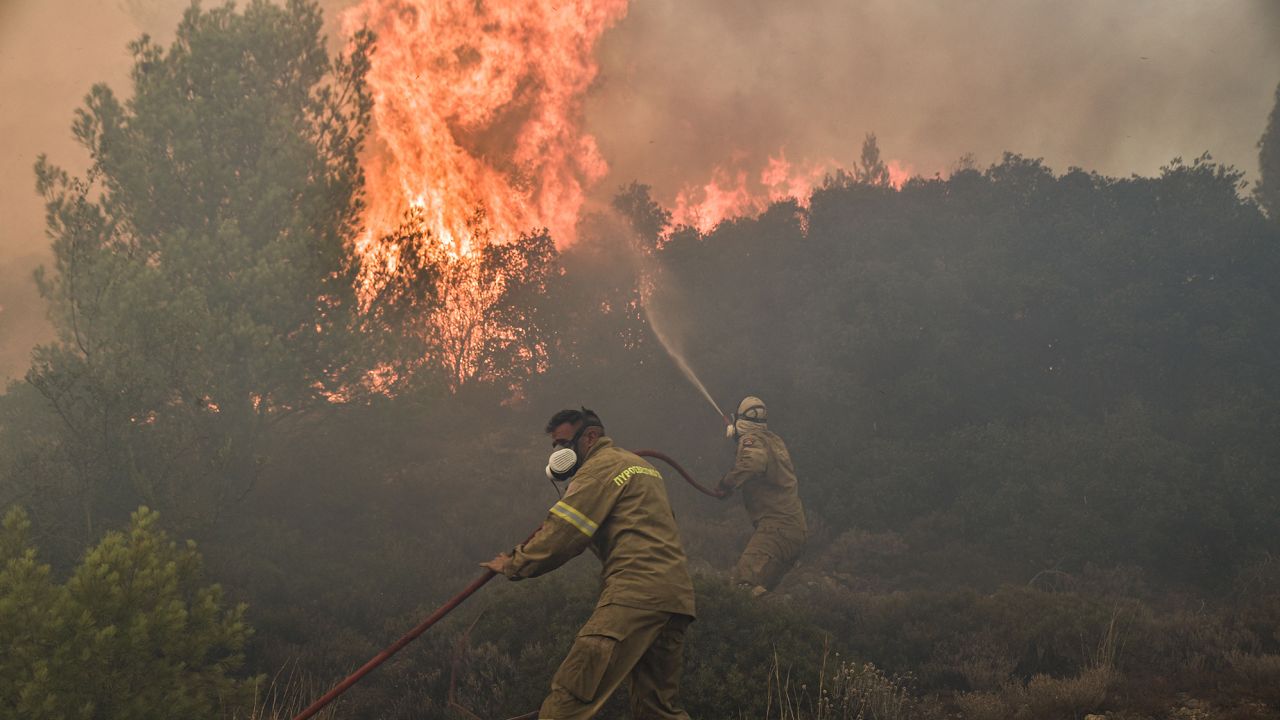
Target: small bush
133, 633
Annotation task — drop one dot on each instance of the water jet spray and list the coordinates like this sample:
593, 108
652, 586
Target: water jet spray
678, 357
653, 316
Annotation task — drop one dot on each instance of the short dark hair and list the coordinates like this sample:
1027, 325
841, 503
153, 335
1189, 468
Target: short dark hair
573, 417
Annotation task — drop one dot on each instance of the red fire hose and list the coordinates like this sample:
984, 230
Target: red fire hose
454, 602
683, 473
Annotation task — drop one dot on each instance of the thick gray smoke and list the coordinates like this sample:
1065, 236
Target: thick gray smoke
1120, 87
1116, 87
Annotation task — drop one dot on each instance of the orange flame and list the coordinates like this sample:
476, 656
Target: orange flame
477, 111
733, 193
478, 138
730, 194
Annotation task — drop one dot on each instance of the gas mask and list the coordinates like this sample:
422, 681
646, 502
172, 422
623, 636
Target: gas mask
735, 428
564, 460
751, 410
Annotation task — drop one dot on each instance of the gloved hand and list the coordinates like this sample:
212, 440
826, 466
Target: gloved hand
498, 564
723, 489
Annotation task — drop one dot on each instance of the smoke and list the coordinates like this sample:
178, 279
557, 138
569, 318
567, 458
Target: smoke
610, 252
661, 303
686, 88
22, 317
51, 53
671, 343
47, 64
1117, 87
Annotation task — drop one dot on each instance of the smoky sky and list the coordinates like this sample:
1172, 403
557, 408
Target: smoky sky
689, 85
1117, 87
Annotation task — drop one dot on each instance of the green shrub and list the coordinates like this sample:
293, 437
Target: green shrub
132, 634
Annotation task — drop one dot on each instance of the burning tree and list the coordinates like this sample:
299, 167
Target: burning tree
458, 316
479, 158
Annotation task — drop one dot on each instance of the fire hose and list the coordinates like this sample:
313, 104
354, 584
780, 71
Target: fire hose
717, 494
457, 600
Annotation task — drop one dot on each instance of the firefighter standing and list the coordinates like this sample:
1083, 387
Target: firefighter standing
616, 504
764, 472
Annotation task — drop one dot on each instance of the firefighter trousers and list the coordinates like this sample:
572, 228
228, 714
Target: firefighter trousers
770, 554
620, 643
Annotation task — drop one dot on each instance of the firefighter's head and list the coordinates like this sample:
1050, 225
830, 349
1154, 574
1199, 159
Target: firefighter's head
573, 433
751, 415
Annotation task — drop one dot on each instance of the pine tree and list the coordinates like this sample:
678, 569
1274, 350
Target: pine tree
201, 284
132, 634
871, 169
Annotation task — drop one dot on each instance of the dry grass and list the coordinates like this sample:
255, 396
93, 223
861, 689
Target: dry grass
1257, 676
848, 691
1045, 697
288, 694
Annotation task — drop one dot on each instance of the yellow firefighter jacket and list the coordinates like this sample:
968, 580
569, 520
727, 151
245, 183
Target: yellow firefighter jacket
617, 505
768, 480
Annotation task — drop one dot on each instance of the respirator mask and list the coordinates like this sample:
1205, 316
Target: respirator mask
751, 410
564, 460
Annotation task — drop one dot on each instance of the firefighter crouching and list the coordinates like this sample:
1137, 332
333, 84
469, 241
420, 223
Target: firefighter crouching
616, 504
764, 472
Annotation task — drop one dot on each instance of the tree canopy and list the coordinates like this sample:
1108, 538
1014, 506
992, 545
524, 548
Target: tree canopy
202, 283
132, 633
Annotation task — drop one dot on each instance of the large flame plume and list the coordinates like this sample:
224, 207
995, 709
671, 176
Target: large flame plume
478, 141
478, 112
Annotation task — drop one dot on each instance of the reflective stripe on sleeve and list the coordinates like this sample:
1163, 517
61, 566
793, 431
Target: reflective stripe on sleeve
571, 515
